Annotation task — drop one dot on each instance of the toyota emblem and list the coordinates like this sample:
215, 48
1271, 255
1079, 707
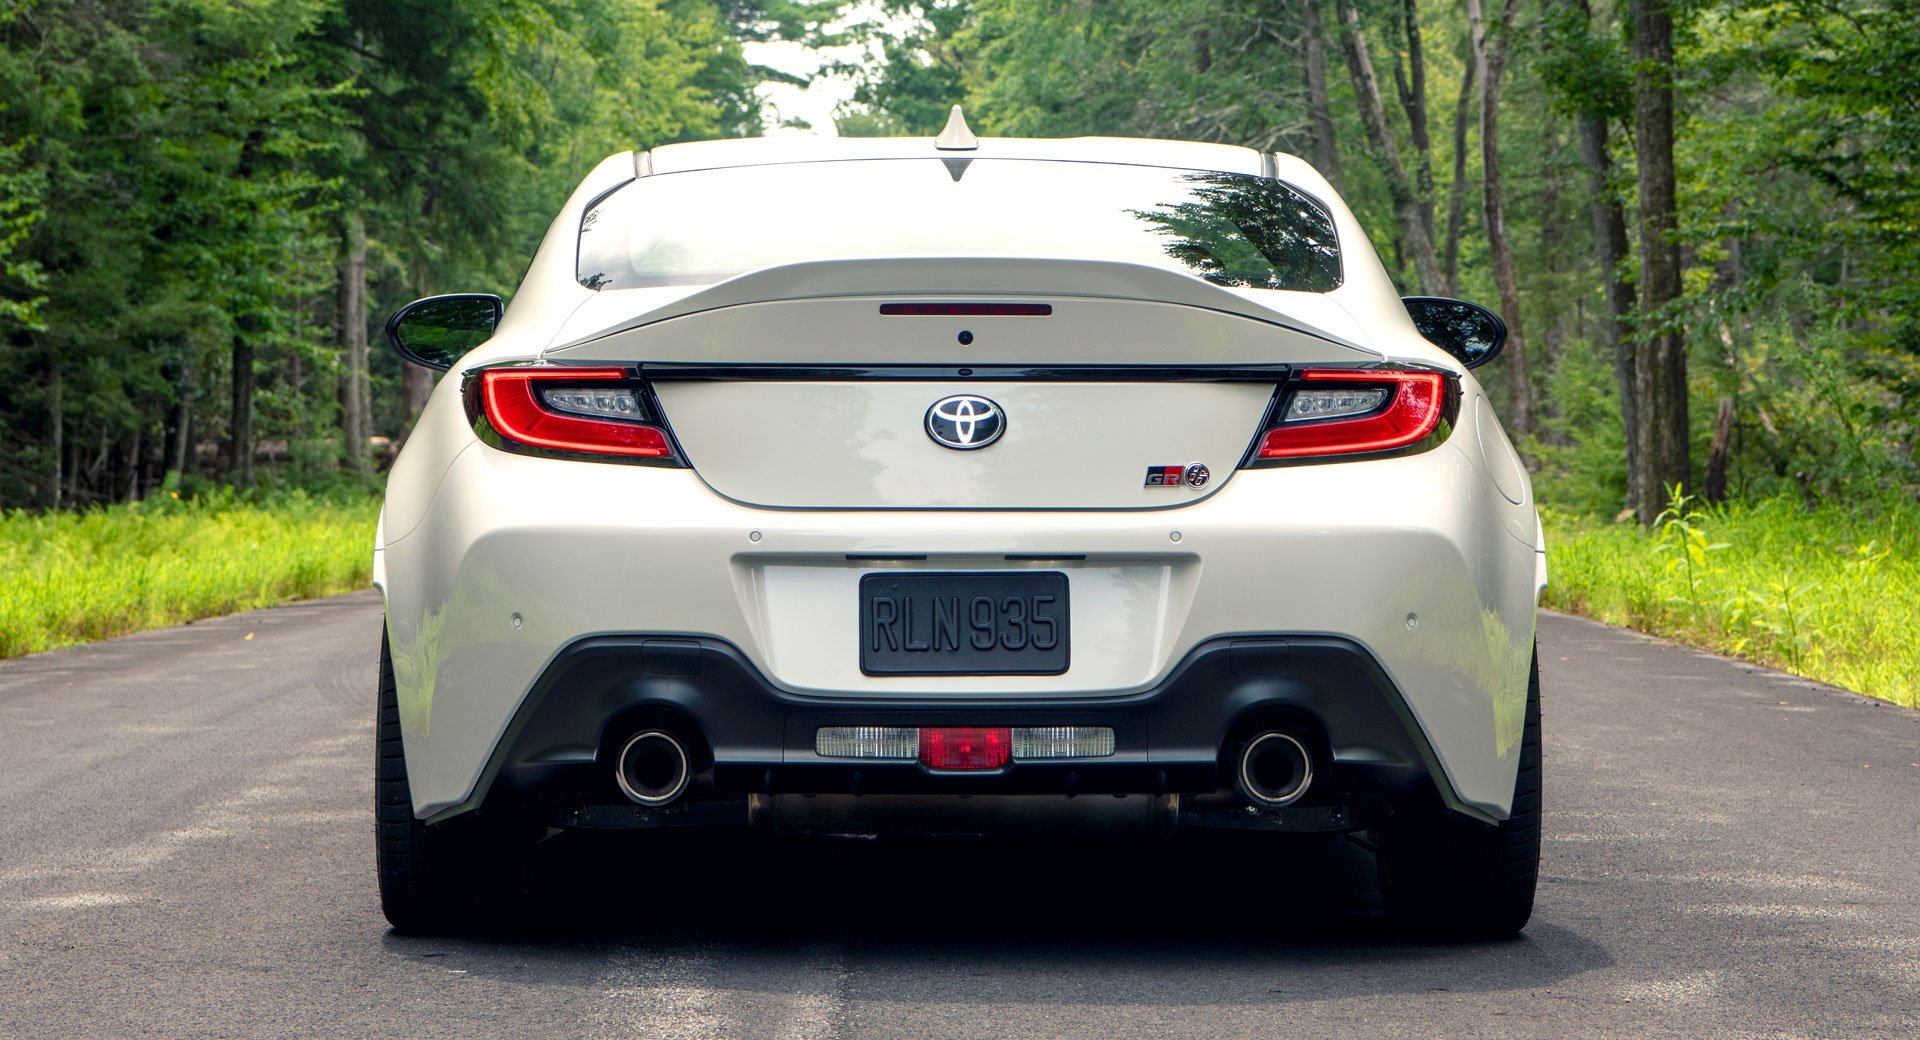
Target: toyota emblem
965, 422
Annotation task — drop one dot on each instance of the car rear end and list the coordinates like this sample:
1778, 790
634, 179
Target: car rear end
952, 544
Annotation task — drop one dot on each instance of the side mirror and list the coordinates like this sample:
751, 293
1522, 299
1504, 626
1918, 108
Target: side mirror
438, 330
1468, 331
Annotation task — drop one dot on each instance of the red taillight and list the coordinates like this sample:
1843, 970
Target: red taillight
1416, 403
510, 399
965, 747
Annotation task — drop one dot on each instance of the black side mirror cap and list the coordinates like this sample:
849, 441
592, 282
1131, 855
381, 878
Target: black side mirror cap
439, 330
1468, 331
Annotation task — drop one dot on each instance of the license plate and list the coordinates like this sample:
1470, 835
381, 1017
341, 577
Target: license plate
963, 624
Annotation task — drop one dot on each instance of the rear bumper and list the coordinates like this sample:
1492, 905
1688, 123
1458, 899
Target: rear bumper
751, 739
512, 570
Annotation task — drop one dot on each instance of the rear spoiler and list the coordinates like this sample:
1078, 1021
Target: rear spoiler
612, 312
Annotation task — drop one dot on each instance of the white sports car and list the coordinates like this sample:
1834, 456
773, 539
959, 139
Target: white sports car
932, 486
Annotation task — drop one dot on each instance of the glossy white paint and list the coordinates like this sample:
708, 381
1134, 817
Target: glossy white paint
581, 548
828, 445
472, 536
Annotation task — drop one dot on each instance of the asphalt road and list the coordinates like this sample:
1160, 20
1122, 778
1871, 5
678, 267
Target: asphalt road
186, 851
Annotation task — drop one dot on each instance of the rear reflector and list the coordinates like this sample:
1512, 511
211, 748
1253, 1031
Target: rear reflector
1405, 407
966, 747
905, 743
997, 310
561, 409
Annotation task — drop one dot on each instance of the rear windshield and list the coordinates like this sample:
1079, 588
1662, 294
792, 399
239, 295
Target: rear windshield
705, 226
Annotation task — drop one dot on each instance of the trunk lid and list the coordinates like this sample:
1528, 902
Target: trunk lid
792, 388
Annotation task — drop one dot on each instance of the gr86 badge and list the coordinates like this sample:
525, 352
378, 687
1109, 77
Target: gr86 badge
1193, 475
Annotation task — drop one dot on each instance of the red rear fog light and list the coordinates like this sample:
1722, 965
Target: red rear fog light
965, 747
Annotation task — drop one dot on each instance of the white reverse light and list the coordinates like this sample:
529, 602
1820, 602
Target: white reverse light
899, 742
902, 743
602, 403
1332, 403
1062, 742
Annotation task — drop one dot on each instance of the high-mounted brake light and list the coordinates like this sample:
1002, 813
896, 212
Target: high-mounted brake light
996, 310
586, 411
1351, 411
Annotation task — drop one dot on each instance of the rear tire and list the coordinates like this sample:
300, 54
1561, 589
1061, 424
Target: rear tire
432, 879
1460, 879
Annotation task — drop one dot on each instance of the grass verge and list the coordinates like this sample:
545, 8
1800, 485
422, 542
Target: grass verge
68, 578
1831, 593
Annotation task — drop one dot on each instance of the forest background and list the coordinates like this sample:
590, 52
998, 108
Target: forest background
1701, 219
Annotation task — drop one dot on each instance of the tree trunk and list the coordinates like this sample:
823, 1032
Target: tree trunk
129, 488
240, 422
1457, 201
1717, 454
183, 454
1610, 247
1660, 370
1413, 99
149, 451
416, 384
1610, 237
56, 433
1553, 333
351, 334
1373, 113
97, 476
1490, 52
1326, 156
1563, 309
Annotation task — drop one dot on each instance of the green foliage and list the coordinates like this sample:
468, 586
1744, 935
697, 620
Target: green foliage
1801, 212
20, 280
75, 577
1586, 69
175, 177
181, 210
910, 79
1194, 69
1817, 427
1858, 66
1832, 593
1800, 197
1581, 444
1680, 533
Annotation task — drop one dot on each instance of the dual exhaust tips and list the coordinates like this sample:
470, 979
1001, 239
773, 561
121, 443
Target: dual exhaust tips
1274, 769
652, 768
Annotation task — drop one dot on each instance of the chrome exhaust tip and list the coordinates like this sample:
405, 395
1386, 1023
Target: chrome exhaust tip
1275, 770
652, 769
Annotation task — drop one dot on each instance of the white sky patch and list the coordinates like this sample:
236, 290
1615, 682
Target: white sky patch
814, 103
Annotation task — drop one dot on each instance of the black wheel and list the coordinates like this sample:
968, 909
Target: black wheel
1460, 879
432, 879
